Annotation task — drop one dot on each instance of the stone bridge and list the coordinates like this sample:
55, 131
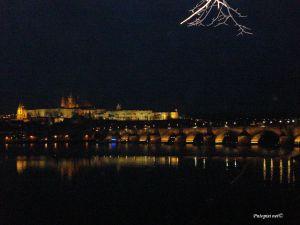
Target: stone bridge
251, 135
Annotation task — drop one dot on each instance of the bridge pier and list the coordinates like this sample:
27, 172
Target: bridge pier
285, 140
209, 139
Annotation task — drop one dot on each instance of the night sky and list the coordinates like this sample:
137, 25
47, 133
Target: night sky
135, 53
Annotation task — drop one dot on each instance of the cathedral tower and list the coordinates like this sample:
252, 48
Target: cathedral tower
21, 112
68, 102
63, 102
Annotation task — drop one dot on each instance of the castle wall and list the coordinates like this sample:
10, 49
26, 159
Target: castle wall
127, 115
101, 114
51, 113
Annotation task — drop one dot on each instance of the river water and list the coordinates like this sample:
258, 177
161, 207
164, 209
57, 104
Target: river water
148, 184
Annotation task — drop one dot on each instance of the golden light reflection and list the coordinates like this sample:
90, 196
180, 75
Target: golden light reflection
265, 169
293, 174
289, 171
174, 161
69, 167
294, 165
280, 171
283, 166
21, 166
272, 169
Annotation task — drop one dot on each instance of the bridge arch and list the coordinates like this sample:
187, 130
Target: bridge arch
244, 138
168, 137
180, 138
133, 137
297, 140
154, 138
195, 138
124, 137
227, 138
112, 138
266, 138
143, 138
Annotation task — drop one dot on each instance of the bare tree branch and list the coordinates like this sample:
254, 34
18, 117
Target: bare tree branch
215, 13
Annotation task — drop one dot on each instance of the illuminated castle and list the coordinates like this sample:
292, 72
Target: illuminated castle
69, 108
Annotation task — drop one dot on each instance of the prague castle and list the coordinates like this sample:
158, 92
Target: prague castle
70, 108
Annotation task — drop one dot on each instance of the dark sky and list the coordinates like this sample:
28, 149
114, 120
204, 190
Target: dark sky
134, 52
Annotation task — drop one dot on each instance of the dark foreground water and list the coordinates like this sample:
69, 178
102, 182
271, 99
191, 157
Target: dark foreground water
147, 184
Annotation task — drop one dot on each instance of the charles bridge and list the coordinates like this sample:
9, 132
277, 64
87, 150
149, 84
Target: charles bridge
254, 135
225, 135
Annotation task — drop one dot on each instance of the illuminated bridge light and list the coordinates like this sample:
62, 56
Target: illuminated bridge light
190, 139
255, 139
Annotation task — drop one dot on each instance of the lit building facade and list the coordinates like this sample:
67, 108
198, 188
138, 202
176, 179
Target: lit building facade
127, 115
69, 108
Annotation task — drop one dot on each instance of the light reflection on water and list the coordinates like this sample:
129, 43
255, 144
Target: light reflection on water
81, 180
146, 148
283, 169
70, 166
277, 170
271, 166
